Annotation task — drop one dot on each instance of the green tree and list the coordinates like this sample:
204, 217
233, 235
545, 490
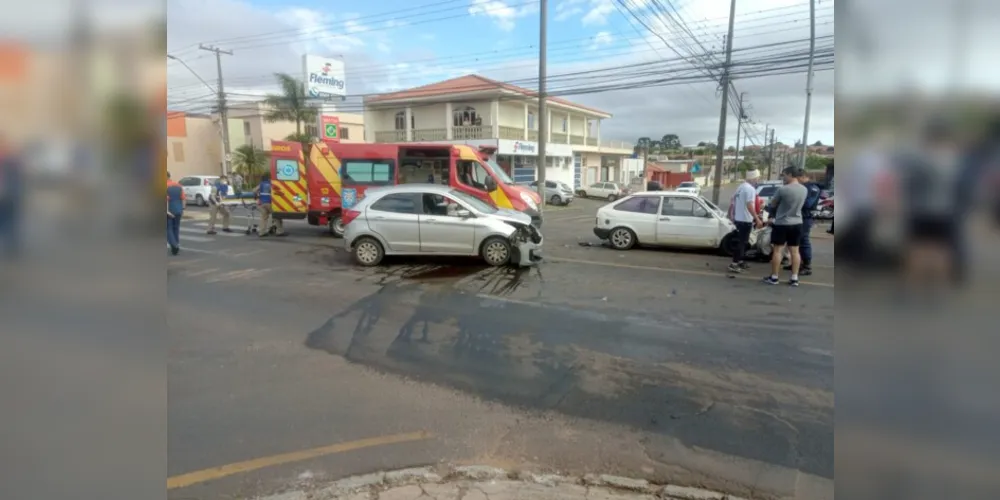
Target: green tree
670, 142
250, 162
814, 162
702, 144
817, 143
291, 105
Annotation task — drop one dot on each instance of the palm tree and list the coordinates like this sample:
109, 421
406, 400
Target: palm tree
250, 162
292, 105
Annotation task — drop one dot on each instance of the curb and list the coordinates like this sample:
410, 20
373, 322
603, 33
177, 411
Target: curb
371, 486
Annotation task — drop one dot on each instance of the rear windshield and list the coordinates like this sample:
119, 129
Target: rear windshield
767, 191
687, 184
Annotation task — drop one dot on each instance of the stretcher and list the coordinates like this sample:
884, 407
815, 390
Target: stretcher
252, 214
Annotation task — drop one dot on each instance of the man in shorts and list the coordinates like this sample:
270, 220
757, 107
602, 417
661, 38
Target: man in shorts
786, 229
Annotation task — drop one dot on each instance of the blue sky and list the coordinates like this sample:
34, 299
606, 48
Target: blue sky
394, 44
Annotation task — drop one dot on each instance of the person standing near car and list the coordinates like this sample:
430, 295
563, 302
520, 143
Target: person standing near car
744, 214
263, 195
176, 202
805, 243
786, 230
215, 200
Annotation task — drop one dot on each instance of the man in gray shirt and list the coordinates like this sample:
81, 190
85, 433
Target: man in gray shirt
786, 230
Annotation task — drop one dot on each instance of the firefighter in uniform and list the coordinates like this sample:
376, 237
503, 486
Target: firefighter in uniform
218, 195
263, 194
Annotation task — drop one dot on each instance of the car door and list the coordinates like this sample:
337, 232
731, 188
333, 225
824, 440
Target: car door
396, 218
684, 221
441, 232
640, 214
596, 190
188, 184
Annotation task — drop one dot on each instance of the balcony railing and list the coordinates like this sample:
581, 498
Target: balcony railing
558, 138
533, 135
390, 136
576, 139
512, 133
591, 141
612, 144
471, 132
430, 134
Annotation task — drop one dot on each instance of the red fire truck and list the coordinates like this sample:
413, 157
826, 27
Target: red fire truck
336, 175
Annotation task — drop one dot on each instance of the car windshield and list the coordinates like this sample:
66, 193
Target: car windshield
498, 171
710, 204
472, 201
687, 184
767, 191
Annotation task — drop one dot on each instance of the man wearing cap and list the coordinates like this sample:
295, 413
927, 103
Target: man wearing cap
743, 212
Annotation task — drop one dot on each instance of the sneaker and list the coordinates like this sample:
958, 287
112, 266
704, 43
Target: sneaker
281, 235
791, 282
735, 268
770, 280
175, 250
805, 271
744, 266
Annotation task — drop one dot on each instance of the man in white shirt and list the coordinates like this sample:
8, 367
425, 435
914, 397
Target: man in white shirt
743, 212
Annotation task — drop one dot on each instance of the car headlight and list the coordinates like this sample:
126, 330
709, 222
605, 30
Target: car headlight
526, 198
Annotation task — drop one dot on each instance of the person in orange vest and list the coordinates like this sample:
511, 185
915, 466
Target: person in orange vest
176, 203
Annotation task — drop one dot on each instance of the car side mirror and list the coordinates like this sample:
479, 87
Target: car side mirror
491, 185
463, 213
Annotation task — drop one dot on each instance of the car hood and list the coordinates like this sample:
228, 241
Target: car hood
508, 215
522, 189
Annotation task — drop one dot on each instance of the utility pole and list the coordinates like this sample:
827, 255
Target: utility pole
543, 113
739, 127
770, 155
223, 114
809, 82
717, 182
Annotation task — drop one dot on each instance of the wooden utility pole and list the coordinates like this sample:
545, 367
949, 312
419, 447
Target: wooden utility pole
770, 155
223, 114
717, 181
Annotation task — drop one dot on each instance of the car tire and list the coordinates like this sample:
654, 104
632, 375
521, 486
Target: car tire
496, 251
728, 244
583, 194
200, 200
336, 226
622, 238
555, 200
612, 197
368, 252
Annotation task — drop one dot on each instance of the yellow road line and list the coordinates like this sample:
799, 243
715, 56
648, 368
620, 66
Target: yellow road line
669, 270
205, 475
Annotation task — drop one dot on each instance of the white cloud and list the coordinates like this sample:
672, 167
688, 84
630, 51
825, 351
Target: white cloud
693, 109
602, 38
599, 12
569, 8
503, 14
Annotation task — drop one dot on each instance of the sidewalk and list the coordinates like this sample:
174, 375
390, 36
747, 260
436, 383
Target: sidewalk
490, 483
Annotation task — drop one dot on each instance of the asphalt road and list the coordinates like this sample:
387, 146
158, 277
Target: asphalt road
646, 363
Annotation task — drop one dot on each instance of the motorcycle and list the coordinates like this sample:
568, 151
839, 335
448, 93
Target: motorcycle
825, 210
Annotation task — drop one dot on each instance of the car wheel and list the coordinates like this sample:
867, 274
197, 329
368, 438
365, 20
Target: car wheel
368, 251
583, 194
496, 251
622, 238
555, 200
729, 243
612, 197
200, 200
336, 226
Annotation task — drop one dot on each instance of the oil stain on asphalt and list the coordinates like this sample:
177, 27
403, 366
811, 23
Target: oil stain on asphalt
437, 322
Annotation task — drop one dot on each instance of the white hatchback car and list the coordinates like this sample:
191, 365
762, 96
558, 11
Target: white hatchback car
689, 187
665, 218
198, 188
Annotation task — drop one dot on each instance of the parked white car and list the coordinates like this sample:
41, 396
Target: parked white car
766, 189
689, 187
197, 188
664, 218
607, 190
